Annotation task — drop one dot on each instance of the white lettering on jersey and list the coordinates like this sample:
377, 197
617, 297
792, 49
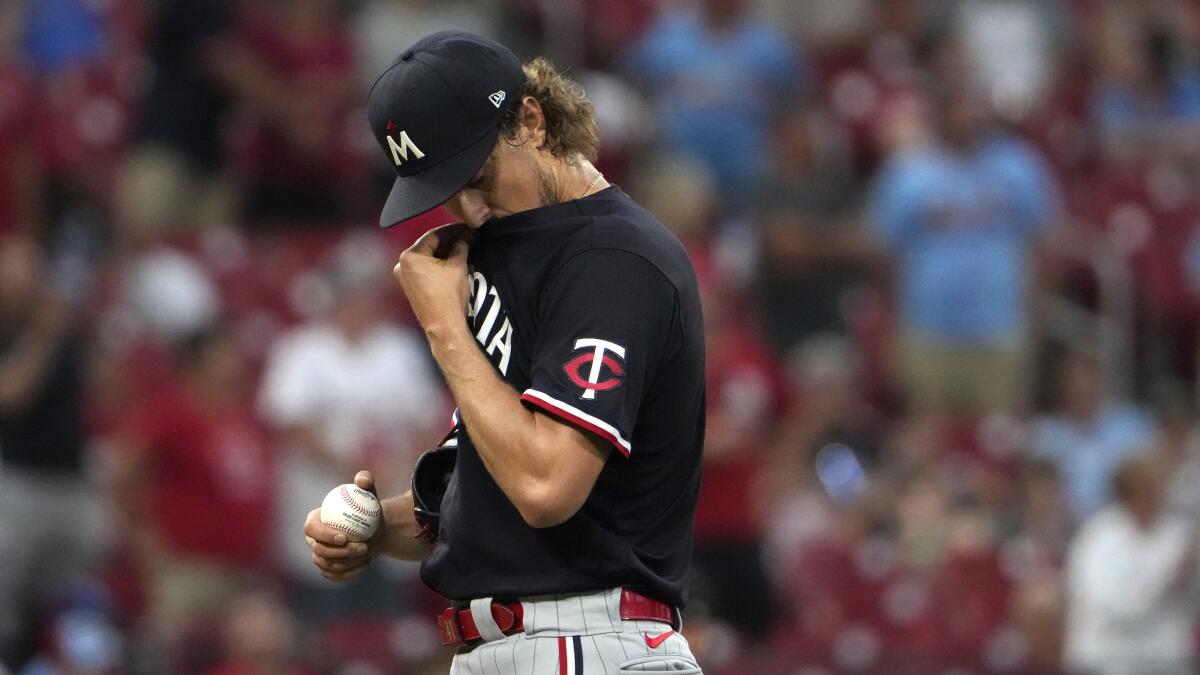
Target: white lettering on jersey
478, 294
597, 359
490, 320
502, 342
494, 331
400, 150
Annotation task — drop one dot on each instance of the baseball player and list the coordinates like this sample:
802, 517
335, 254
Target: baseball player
564, 532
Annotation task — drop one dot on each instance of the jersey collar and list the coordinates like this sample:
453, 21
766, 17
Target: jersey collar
544, 215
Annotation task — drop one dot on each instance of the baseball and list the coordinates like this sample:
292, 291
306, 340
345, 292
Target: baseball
352, 510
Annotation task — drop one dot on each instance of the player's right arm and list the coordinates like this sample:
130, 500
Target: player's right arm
342, 560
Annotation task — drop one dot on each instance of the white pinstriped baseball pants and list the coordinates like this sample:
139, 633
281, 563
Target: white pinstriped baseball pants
576, 635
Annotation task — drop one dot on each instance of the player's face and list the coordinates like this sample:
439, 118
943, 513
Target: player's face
470, 205
510, 181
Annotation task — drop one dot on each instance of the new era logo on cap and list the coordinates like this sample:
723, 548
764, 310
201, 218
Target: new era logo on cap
497, 98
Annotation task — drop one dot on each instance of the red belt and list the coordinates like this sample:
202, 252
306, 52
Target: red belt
457, 626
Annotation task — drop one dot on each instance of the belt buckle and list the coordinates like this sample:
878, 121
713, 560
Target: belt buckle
451, 633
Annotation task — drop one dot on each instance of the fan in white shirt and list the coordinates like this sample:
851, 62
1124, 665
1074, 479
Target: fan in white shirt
1132, 584
353, 391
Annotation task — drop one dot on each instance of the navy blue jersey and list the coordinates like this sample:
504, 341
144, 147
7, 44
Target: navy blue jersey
590, 309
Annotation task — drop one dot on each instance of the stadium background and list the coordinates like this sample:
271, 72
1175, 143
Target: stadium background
950, 254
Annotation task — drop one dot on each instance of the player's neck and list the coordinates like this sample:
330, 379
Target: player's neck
563, 181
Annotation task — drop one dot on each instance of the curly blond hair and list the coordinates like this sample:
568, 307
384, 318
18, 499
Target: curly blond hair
571, 129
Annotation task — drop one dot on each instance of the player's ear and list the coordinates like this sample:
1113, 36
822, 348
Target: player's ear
534, 120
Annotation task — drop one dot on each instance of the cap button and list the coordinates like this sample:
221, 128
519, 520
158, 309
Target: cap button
408, 54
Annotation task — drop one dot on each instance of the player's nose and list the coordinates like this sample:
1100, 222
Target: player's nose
470, 207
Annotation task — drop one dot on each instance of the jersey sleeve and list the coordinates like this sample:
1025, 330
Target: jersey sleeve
606, 321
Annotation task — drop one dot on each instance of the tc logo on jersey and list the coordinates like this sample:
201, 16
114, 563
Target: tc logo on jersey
586, 369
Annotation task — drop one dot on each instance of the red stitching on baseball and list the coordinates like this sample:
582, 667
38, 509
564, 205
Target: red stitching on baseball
343, 528
355, 505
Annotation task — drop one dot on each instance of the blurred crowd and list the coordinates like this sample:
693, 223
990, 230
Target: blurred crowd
950, 260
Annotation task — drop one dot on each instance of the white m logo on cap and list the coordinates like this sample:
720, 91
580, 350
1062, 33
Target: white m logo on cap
400, 150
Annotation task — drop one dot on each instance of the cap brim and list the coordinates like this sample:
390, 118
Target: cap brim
413, 195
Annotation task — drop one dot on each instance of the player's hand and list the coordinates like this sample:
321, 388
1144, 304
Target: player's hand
337, 558
433, 274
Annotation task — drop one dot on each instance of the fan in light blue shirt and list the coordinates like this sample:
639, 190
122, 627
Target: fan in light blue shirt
961, 223
714, 72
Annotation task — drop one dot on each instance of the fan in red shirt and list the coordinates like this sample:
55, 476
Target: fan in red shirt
745, 397
299, 159
190, 464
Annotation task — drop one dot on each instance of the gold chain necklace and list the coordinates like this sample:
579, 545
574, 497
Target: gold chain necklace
593, 184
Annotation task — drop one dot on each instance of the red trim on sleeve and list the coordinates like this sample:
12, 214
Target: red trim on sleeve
577, 421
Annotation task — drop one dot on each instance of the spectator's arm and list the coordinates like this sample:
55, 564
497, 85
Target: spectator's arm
307, 441
1046, 275
1036, 195
241, 73
790, 242
1126, 133
24, 368
128, 478
894, 209
788, 467
1187, 575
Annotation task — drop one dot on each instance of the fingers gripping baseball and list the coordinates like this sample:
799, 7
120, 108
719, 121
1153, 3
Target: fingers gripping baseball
344, 534
337, 558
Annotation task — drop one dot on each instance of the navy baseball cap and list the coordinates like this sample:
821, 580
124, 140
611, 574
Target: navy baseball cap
436, 113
